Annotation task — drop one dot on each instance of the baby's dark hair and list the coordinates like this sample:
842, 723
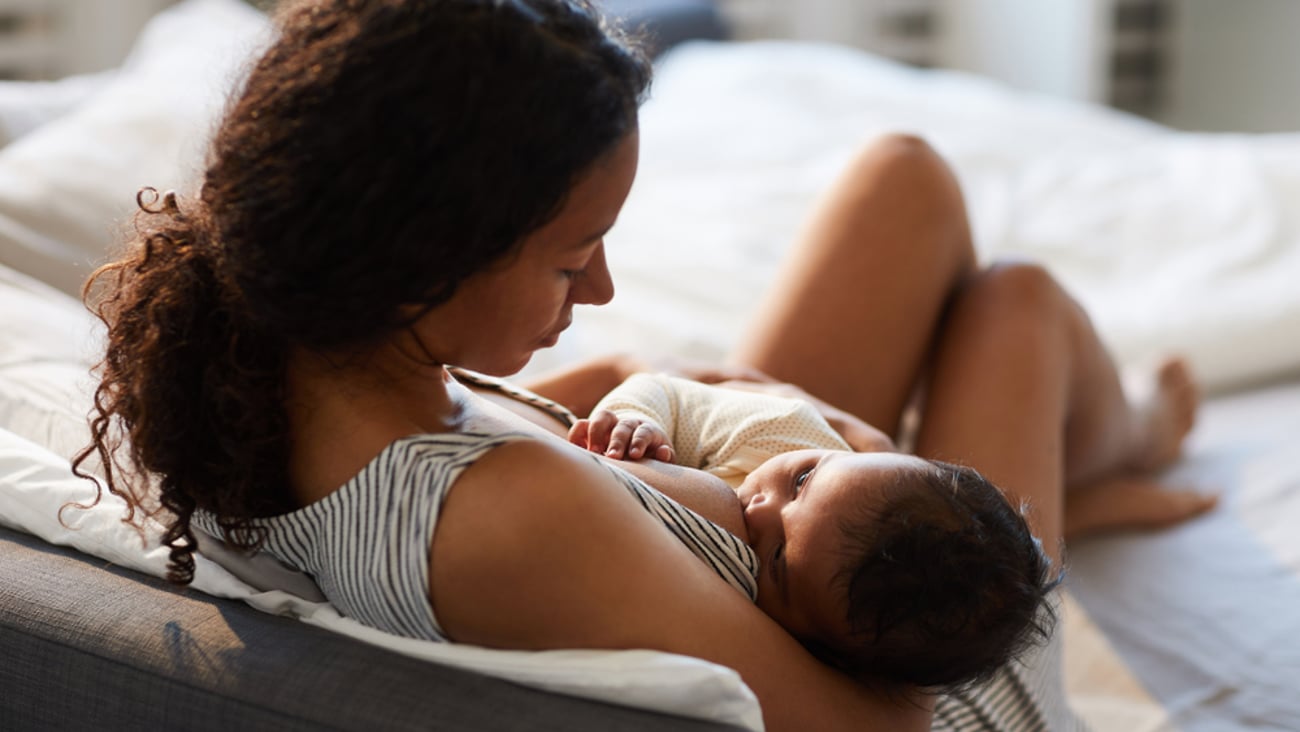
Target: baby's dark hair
944, 582
378, 155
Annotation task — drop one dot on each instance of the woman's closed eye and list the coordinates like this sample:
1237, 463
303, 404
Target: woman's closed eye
581, 257
574, 272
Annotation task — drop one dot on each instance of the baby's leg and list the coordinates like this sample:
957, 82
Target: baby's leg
858, 302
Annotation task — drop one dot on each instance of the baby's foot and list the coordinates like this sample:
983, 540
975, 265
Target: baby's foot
1130, 502
1163, 416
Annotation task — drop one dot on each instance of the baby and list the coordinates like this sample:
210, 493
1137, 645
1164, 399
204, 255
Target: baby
882, 564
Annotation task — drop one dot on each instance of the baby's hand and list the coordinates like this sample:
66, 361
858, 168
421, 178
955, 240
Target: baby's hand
622, 438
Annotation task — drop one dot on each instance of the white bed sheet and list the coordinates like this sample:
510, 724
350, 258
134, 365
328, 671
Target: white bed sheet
1207, 617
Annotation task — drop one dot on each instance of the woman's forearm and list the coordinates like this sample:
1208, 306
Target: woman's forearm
580, 386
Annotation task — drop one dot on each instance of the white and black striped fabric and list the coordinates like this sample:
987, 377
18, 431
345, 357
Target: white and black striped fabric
728, 556
1027, 695
560, 412
367, 543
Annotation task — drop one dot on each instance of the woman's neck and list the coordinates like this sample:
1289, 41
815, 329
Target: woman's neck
344, 410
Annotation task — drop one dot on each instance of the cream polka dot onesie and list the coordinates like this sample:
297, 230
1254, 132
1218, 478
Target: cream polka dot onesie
723, 431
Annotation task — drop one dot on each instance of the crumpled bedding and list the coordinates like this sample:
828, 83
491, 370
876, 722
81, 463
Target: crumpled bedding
1175, 242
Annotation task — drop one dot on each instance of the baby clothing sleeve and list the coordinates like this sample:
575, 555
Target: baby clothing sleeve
726, 432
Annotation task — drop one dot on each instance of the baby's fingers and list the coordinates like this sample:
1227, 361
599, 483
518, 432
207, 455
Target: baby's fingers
599, 428
642, 437
578, 433
619, 439
646, 441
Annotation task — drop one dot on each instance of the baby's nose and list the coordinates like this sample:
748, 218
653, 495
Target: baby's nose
757, 513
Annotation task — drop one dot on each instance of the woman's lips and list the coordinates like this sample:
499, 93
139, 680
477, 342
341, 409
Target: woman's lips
554, 336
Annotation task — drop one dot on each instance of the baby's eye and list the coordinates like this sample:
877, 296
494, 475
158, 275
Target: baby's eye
570, 273
800, 479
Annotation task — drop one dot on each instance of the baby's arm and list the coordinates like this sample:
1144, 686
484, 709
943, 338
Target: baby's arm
862, 437
634, 420
622, 436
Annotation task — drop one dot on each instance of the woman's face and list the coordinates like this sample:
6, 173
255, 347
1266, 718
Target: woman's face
500, 316
794, 505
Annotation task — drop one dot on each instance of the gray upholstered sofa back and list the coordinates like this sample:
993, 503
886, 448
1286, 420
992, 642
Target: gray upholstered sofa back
85, 646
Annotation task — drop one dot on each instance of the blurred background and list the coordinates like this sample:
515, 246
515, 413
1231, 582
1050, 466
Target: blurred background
1212, 65
1222, 65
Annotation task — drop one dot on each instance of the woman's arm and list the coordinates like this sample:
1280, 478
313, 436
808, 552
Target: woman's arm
580, 386
539, 547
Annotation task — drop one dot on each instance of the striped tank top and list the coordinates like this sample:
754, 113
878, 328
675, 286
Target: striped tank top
367, 543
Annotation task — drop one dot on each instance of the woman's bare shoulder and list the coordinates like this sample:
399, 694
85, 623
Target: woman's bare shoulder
538, 546
525, 512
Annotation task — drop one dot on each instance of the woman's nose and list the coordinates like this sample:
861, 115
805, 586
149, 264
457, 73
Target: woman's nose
595, 286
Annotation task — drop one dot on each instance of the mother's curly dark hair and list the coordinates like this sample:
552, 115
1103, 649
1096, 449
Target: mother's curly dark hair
380, 152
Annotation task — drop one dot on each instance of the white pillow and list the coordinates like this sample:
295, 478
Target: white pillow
67, 188
47, 343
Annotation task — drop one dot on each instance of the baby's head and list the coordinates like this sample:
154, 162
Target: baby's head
892, 567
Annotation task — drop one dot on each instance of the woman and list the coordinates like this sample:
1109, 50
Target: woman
405, 186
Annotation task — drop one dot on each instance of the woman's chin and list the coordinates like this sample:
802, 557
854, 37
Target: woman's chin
510, 365
500, 367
